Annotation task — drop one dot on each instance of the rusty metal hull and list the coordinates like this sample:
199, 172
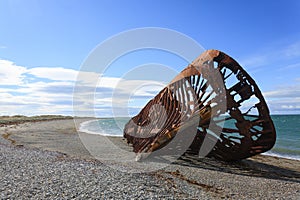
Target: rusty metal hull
214, 101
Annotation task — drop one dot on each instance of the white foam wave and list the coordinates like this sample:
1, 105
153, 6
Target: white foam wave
291, 157
84, 127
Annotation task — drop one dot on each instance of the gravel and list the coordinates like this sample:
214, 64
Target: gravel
35, 174
31, 167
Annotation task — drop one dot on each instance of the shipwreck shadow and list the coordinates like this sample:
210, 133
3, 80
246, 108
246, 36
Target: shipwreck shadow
244, 167
247, 167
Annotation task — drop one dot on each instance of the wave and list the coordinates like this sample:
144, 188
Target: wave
86, 127
291, 157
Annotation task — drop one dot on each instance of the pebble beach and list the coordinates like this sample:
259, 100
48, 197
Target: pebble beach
46, 159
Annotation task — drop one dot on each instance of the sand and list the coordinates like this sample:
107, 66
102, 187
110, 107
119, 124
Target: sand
259, 177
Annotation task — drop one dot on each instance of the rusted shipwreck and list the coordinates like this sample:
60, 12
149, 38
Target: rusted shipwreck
212, 108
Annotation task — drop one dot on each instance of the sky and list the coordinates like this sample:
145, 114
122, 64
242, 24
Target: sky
43, 44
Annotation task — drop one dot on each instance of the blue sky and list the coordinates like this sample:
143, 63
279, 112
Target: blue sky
44, 42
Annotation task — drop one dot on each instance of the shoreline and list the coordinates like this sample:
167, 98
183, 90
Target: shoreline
14, 137
17, 137
200, 177
268, 153
275, 155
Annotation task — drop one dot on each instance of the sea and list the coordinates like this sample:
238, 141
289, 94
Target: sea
287, 129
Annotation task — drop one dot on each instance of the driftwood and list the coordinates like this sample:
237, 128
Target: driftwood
215, 104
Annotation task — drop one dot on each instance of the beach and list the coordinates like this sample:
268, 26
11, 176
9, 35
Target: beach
47, 159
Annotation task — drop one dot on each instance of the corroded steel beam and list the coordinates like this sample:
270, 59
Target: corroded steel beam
214, 101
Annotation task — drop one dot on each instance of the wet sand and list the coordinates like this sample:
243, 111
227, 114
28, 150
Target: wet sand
260, 177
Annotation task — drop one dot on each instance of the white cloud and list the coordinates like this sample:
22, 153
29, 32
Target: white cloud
64, 74
46, 90
54, 73
24, 94
11, 74
108, 82
291, 91
284, 99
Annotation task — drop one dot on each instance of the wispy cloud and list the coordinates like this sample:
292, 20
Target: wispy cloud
292, 50
290, 66
284, 105
255, 61
284, 92
272, 55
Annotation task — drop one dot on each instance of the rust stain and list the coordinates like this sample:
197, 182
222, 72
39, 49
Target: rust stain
213, 86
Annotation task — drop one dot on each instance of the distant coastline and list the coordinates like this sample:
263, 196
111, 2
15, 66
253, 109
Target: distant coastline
18, 119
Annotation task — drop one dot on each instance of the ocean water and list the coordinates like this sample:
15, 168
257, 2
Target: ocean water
288, 136
287, 129
105, 126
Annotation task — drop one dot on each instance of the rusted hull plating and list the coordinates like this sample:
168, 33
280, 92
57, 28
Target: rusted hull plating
213, 99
